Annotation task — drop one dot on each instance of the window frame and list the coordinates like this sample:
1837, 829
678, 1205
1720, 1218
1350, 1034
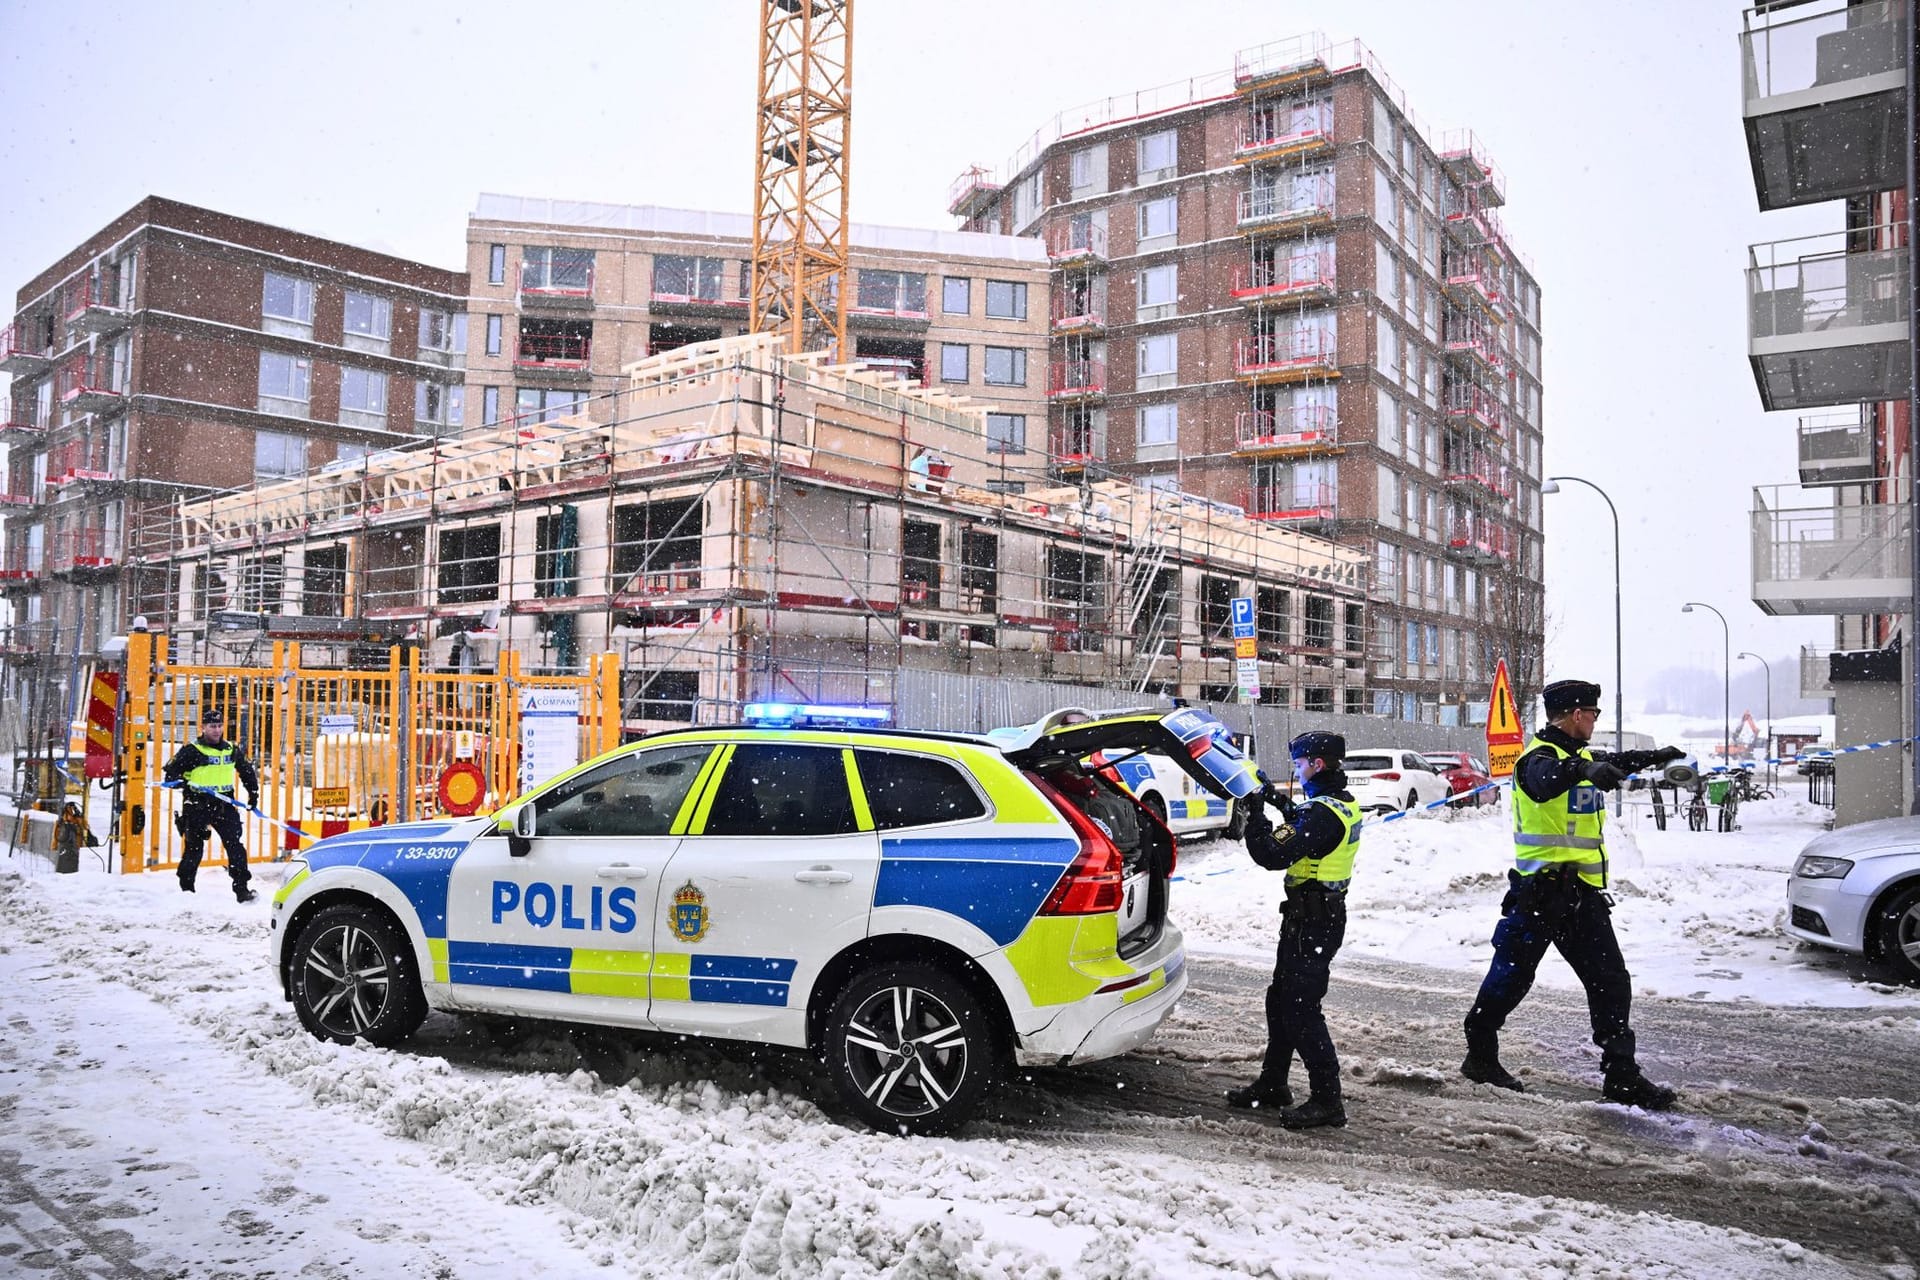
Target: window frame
1170, 203
966, 362
738, 764
1014, 440
1016, 299
379, 316
946, 295
302, 297
496, 264
1017, 370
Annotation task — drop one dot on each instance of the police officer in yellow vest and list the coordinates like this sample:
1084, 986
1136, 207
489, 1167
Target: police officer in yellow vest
1316, 850
210, 766
1557, 896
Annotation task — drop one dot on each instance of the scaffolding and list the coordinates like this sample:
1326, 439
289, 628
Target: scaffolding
739, 523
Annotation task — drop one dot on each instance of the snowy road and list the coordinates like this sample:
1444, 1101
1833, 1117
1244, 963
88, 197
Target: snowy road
162, 1114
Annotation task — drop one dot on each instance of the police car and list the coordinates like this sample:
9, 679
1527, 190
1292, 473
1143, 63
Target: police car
921, 910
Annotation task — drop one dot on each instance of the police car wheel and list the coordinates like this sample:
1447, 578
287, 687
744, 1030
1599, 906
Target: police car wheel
909, 1048
353, 978
1236, 820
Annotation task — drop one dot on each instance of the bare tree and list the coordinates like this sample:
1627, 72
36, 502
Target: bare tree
1514, 627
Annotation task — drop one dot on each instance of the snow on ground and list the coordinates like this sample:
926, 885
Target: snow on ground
164, 1114
1699, 913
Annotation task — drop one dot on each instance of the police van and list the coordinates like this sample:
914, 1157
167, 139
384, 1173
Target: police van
922, 910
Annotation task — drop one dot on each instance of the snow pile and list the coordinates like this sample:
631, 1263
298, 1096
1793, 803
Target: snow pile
1699, 913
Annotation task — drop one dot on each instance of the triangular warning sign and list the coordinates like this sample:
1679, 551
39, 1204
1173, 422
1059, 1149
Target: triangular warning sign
1503, 721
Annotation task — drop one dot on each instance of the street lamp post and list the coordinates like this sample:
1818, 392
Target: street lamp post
1769, 666
1552, 485
1726, 672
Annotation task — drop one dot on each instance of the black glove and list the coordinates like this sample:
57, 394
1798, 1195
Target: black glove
1603, 774
1666, 756
1259, 825
1270, 794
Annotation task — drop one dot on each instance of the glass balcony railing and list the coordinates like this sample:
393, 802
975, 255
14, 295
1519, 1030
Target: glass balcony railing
1828, 325
1836, 448
1832, 551
1816, 672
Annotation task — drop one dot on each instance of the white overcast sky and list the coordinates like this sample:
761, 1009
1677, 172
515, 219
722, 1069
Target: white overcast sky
1618, 127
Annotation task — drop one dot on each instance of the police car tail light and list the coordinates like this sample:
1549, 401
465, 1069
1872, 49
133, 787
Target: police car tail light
1095, 882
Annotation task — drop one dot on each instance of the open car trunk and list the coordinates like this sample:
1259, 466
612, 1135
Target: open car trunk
1195, 741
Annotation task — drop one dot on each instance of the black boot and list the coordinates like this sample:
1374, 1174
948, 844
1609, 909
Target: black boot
243, 894
1262, 1093
186, 886
1487, 1070
1317, 1112
1633, 1089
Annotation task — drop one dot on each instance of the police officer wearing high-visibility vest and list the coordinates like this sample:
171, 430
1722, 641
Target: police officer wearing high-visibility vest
1315, 848
1557, 895
210, 766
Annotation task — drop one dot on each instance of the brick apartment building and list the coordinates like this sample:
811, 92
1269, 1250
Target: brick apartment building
1275, 289
567, 293
178, 352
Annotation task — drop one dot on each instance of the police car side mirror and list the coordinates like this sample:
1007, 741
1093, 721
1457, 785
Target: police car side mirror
520, 840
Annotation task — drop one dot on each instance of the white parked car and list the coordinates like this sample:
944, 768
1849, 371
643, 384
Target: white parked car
1391, 779
1858, 889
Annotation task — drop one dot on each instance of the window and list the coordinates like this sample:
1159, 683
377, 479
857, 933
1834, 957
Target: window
287, 298
362, 391
1087, 171
1159, 424
368, 316
914, 791
1159, 362
494, 326
774, 790
1356, 634
1216, 607
1270, 616
323, 588
542, 404
893, 293
439, 404
1314, 699
956, 295
278, 455
556, 553
660, 695
1006, 300
470, 564
657, 545
1159, 291
1159, 218
284, 383
443, 331
1159, 155
953, 362
1316, 622
548, 269
263, 583
1006, 433
1005, 366
686, 279
489, 405
1356, 701
496, 264
636, 795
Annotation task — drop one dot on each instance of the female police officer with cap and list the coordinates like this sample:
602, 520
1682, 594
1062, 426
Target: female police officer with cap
1316, 850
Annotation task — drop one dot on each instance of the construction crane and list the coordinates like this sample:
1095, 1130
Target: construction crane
800, 173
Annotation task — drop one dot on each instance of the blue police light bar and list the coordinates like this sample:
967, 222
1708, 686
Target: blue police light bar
791, 715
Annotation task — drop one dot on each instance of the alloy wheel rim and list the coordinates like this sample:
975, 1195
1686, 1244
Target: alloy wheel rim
346, 977
906, 1051
1907, 936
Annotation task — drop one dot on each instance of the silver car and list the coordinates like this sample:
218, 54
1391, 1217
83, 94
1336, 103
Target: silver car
1858, 889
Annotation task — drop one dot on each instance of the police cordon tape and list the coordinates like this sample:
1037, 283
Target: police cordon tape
268, 818
1825, 753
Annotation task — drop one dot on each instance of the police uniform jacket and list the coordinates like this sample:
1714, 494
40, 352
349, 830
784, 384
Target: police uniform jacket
1313, 830
189, 757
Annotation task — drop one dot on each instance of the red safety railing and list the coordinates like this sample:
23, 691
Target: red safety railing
1479, 474
20, 490
553, 350
1285, 275
1313, 347
1074, 239
1074, 444
1481, 539
94, 288
537, 279
79, 549
1286, 126
1462, 153
1289, 502
1294, 426
1295, 199
1077, 378
1475, 405
86, 375
21, 563
14, 343
1466, 334
17, 419
78, 460
1079, 308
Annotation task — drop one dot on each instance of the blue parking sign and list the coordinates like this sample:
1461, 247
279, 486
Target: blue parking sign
1243, 618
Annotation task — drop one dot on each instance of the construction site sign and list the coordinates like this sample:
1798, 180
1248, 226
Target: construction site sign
1504, 735
102, 709
1246, 651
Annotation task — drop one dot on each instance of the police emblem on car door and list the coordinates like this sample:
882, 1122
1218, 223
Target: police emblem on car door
573, 917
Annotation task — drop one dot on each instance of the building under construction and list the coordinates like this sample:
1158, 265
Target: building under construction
739, 523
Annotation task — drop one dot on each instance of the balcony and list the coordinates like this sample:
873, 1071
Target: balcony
1075, 446
1281, 64
1076, 243
1294, 431
1076, 379
1302, 201
1311, 352
971, 193
15, 422
1836, 448
1816, 672
18, 357
1825, 326
20, 493
90, 384
1467, 163
1468, 339
1469, 404
562, 353
1294, 504
94, 303
1472, 279
1824, 99
1079, 310
79, 462
704, 302
1307, 275
1479, 541
79, 553
1286, 131
1478, 478
1832, 551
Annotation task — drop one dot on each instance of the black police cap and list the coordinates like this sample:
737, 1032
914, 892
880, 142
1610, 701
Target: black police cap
1319, 745
1563, 696
213, 715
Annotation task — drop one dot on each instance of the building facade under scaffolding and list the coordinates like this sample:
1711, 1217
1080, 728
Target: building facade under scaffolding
747, 524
